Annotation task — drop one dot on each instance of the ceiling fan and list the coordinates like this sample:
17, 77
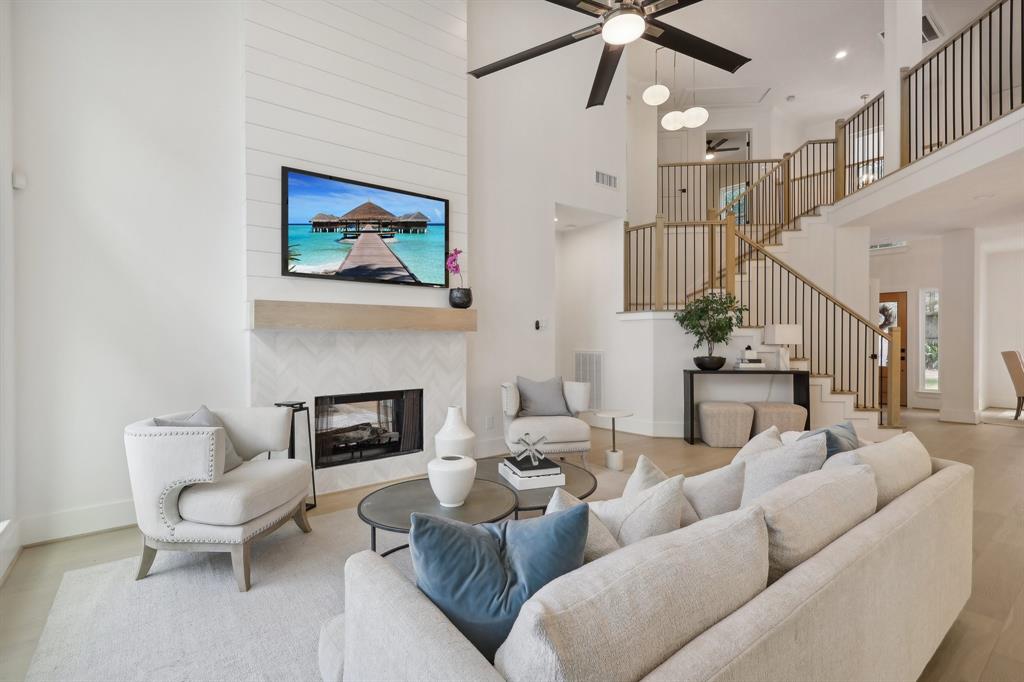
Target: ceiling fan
717, 147
622, 22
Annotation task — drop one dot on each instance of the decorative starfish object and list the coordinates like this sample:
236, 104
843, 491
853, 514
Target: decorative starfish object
530, 448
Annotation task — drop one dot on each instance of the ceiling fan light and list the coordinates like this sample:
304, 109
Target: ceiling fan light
709, 156
695, 117
623, 26
656, 94
673, 120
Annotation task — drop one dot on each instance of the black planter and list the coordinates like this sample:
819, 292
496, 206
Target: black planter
460, 297
709, 362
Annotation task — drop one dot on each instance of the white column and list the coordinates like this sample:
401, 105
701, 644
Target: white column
959, 328
902, 48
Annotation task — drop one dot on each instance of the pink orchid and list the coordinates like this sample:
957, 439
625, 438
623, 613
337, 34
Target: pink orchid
452, 263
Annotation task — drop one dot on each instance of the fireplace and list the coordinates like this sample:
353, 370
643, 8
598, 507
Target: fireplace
361, 427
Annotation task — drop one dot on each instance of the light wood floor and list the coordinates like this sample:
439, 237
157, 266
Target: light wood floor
985, 643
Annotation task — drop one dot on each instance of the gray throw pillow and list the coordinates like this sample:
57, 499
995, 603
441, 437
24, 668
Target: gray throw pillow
775, 467
204, 417
542, 398
840, 437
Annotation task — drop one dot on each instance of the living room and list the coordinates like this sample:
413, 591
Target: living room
317, 205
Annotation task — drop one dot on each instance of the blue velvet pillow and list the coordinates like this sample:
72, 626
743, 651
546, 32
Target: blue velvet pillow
838, 438
480, 576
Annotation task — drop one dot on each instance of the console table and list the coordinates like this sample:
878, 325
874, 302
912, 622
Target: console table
801, 391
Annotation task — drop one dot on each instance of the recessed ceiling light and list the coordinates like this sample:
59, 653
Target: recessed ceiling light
709, 156
841, 54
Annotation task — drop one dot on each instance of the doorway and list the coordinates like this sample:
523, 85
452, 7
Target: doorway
727, 145
892, 312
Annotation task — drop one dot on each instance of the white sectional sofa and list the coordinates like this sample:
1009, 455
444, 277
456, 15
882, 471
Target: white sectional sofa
696, 604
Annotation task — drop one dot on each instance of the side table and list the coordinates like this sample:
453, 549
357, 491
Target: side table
613, 459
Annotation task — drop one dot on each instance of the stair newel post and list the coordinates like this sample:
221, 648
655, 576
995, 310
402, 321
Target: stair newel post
625, 266
895, 378
905, 116
787, 189
839, 189
730, 253
660, 262
710, 226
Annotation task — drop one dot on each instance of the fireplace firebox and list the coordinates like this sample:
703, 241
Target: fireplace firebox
360, 427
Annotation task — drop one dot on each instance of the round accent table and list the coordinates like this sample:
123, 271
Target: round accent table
613, 459
389, 508
579, 483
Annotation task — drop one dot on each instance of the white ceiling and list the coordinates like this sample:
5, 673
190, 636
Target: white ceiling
792, 44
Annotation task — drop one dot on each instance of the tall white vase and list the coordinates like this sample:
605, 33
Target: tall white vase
455, 437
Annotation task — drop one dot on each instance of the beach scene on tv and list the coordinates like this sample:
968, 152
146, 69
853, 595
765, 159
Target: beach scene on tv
350, 231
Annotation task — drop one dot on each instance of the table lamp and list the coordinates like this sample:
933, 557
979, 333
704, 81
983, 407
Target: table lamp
783, 336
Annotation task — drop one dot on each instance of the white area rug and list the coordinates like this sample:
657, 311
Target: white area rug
188, 621
1001, 417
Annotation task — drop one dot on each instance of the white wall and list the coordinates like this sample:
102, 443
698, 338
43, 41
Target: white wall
129, 243
913, 268
533, 143
1002, 325
367, 90
773, 132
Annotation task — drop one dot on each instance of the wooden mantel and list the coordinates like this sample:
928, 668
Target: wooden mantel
351, 317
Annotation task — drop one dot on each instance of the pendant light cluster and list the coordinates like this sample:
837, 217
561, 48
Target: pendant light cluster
657, 94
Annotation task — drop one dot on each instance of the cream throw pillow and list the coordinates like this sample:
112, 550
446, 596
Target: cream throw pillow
625, 520
769, 439
808, 512
647, 475
899, 464
775, 467
717, 491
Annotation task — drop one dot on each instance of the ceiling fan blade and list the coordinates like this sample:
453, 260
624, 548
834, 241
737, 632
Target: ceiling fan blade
673, 38
594, 8
537, 51
716, 145
727, 149
605, 73
656, 8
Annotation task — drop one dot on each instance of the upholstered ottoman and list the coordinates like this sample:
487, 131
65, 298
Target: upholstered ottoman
786, 416
725, 424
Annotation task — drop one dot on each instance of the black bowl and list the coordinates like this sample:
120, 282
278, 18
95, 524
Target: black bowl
709, 362
459, 297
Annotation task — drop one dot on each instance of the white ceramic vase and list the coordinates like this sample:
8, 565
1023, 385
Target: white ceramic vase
451, 477
455, 437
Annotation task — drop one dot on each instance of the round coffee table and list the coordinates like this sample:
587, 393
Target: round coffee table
579, 483
389, 508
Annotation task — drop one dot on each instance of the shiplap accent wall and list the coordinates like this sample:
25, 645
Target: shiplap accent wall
372, 90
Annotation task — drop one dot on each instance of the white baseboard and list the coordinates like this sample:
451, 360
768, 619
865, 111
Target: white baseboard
10, 545
78, 521
959, 416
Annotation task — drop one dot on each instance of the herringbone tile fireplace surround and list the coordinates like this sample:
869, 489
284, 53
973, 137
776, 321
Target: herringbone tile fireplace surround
294, 365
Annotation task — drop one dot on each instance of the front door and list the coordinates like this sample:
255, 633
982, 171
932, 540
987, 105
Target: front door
892, 312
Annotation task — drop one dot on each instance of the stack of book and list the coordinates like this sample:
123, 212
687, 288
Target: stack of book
526, 476
749, 363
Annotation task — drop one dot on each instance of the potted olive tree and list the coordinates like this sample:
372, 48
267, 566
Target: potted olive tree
711, 320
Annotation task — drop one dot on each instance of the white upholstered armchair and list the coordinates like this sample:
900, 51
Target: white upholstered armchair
562, 435
183, 499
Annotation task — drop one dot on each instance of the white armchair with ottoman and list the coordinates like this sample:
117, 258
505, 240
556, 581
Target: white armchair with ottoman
199, 487
546, 414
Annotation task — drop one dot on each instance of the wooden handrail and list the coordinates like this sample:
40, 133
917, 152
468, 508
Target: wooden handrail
951, 39
864, 108
821, 291
633, 228
676, 164
739, 197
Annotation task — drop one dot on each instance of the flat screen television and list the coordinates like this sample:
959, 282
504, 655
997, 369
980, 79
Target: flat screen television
334, 228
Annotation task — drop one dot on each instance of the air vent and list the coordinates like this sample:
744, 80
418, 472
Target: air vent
929, 30
590, 368
605, 179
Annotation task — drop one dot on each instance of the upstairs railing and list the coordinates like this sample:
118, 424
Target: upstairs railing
970, 80
860, 154
668, 264
686, 191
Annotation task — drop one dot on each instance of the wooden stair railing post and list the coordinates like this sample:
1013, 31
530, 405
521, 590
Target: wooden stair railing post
730, 253
904, 116
625, 266
895, 378
839, 189
660, 263
787, 189
710, 229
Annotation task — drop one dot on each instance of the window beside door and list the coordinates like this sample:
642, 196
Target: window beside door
929, 355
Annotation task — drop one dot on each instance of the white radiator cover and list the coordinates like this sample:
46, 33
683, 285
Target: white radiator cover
589, 367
